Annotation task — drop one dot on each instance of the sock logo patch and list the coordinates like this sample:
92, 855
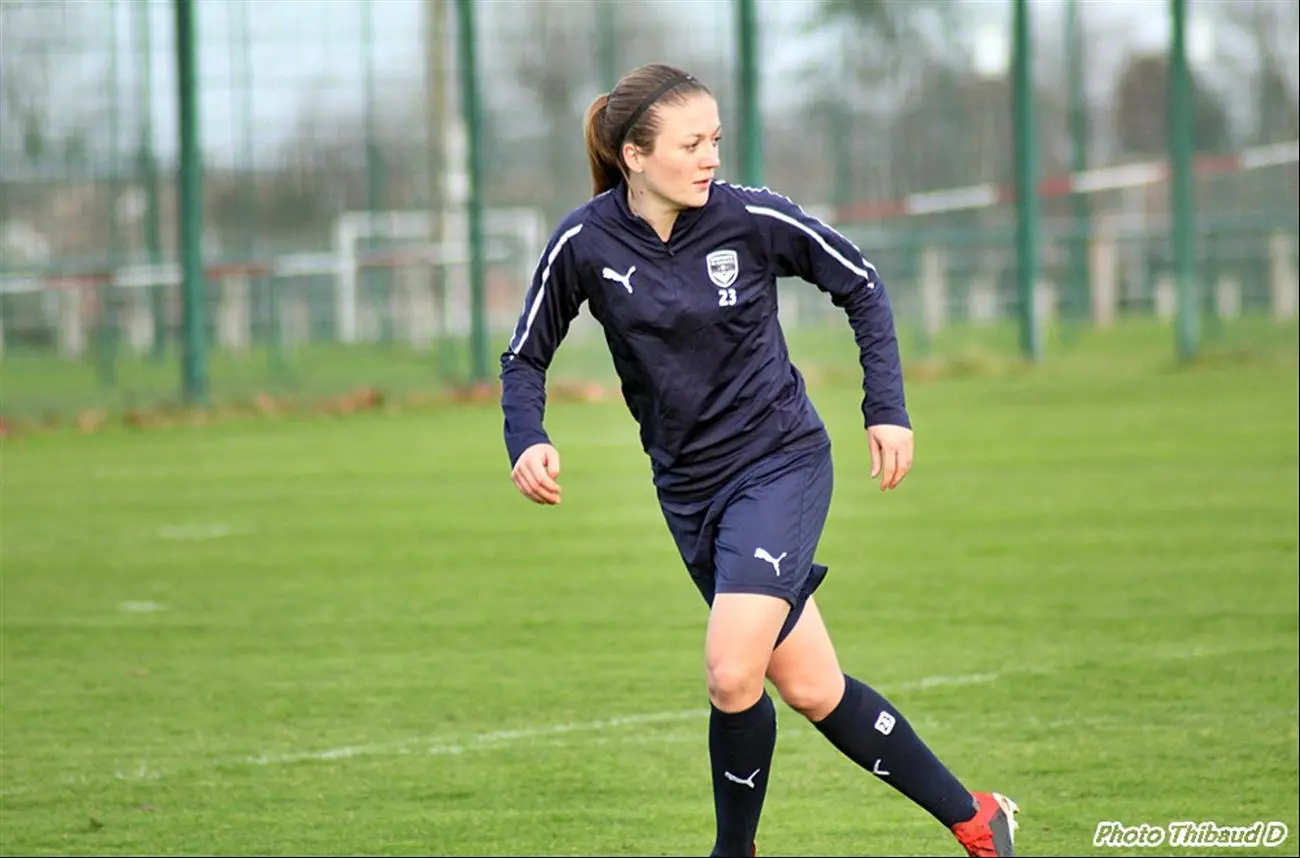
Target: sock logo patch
884, 723
749, 781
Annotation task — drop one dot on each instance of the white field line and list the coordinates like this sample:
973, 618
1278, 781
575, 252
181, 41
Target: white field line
200, 532
453, 744
492, 739
550, 735
497, 738
141, 607
799, 727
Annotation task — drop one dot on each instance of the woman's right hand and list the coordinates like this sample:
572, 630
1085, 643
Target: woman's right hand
535, 474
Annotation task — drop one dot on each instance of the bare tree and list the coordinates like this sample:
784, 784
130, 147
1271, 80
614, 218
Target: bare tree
1141, 108
55, 117
1259, 55
49, 69
907, 92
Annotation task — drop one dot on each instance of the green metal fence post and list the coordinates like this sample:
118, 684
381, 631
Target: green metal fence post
106, 335
606, 44
1080, 278
1183, 223
913, 248
147, 172
1025, 124
437, 121
379, 283
841, 129
194, 369
268, 289
751, 120
472, 110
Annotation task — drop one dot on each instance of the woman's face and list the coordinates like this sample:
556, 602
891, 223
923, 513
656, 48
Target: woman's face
681, 166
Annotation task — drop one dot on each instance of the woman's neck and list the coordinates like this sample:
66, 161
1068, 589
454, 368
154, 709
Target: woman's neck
652, 209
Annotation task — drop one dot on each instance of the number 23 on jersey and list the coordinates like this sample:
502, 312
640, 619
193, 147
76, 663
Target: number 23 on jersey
724, 265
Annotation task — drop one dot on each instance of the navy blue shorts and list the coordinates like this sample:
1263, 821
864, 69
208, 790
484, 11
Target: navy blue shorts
759, 533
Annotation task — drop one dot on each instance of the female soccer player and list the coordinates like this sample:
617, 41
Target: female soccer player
681, 272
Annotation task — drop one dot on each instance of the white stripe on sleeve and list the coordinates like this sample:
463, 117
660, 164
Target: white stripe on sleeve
541, 288
834, 254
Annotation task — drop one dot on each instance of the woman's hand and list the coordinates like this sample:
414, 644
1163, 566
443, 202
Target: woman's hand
535, 474
891, 454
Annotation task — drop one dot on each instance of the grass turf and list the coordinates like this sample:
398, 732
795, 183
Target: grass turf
354, 637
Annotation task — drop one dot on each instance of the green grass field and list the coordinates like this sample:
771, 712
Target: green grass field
352, 636
39, 385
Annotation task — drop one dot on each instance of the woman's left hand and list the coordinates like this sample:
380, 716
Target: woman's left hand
891, 454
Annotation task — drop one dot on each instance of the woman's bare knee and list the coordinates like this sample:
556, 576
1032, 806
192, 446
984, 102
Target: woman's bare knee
734, 687
805, 669
742, 631
813, 696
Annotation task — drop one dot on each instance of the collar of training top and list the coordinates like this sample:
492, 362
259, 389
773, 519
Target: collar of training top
686, 218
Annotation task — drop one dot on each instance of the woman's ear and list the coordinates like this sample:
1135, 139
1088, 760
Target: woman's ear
632, 157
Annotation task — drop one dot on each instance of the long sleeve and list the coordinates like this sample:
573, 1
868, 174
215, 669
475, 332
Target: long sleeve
803, 246
553, 301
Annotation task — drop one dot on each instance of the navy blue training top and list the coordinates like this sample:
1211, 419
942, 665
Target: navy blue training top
691, 325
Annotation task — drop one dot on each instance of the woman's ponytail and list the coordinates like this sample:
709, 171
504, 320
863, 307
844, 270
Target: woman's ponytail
606, 171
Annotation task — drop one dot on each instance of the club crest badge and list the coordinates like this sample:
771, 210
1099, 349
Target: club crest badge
724, 265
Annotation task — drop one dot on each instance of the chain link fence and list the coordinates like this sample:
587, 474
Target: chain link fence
336, 231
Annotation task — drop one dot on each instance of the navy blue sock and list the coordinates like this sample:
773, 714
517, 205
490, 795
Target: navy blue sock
867, 729
740, 749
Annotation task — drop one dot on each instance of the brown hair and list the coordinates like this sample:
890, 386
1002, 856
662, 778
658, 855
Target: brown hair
627, 114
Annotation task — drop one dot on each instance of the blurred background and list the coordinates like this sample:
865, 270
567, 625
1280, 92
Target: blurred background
211, 200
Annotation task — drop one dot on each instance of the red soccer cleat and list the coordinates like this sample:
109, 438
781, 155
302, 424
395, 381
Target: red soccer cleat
992, 831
